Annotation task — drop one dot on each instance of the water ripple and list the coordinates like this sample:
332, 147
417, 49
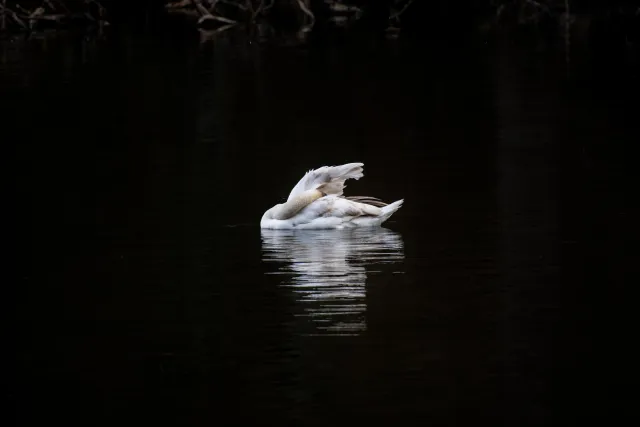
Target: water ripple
327, 271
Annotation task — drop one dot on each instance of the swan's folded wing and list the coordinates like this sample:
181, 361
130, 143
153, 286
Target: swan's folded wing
373, 201
336, 208
328, 179
342, 207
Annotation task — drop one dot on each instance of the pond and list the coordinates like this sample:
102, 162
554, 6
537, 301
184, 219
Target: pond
147, 289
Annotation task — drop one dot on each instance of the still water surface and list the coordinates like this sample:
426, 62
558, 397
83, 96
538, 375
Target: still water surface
148, 291
327, 272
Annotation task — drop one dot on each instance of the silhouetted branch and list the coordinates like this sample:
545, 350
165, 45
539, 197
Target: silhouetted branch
209, 10
258, 10
178, 4
207, 15
304, 7
217, 18
50, 11
401, 11
535, 17
342, 10
6, 11
59, 3
200, 8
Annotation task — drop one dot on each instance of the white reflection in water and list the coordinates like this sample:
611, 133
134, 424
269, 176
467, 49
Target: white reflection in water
327, 271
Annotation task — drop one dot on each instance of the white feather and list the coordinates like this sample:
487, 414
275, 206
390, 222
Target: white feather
316, 203
329, 178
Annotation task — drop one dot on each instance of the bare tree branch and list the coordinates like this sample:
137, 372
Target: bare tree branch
401, 11
178, 4
257, 11
200, 8
6, 11
307, 12
216, 18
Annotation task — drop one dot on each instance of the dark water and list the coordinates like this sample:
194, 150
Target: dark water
148, 293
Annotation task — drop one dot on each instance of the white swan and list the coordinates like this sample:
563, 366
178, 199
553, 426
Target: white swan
316, 202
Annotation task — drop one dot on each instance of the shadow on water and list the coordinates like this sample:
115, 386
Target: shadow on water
327, 272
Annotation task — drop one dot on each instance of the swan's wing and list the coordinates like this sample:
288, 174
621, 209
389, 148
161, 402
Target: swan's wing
335, 208
349, 208
328, 179
373, 201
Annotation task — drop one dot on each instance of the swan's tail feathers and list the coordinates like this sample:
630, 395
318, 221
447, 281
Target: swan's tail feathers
328, 179
390, 209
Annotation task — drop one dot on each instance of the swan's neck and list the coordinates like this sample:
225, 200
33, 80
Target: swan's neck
296, 204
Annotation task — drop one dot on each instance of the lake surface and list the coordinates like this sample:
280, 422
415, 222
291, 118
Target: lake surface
148, 293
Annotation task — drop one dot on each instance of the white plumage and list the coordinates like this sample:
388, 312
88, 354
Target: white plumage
316, 202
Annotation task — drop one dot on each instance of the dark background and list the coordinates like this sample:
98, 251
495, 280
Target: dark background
140, 164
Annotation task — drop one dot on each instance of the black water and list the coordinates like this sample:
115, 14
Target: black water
147, 292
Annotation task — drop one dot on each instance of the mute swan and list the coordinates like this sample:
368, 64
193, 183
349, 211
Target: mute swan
316, 202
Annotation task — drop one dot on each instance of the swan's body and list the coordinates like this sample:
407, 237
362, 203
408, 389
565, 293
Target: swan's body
316, 202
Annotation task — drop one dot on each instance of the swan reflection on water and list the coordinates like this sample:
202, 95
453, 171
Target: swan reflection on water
327, 271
